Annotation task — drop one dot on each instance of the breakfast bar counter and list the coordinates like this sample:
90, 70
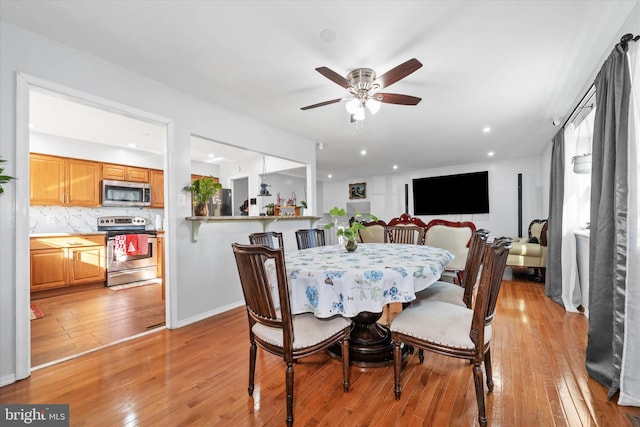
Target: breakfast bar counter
197, 221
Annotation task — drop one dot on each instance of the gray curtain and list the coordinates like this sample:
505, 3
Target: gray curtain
607, 249
553, 281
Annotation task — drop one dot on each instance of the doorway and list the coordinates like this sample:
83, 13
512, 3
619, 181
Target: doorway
240, 193
95, 316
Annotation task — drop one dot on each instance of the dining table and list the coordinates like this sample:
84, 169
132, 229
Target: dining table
331, 281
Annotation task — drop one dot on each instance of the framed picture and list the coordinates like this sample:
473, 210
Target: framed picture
358, 190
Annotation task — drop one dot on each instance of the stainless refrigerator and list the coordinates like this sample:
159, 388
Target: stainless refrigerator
220, 204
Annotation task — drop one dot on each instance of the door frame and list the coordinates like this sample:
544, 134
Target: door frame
24, 84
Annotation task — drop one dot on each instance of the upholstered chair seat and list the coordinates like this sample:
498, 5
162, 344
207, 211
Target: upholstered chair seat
447, 324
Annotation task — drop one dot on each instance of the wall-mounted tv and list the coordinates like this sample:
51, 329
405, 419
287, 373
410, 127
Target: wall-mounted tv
466, 193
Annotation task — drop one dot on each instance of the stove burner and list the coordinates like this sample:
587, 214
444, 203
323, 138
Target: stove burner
115, 225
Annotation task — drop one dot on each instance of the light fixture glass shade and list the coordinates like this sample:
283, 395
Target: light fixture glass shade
359, 114
373, 105
352, 106
582, 163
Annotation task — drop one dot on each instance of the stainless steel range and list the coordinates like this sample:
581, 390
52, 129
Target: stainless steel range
131, 250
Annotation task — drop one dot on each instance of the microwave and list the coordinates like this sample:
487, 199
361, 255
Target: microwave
125, 193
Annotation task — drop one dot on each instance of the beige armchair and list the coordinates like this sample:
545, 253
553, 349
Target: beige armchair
531, 251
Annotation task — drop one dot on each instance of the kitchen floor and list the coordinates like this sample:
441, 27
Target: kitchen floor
87, 320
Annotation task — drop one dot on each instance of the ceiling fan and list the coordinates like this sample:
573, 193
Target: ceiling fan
363, 85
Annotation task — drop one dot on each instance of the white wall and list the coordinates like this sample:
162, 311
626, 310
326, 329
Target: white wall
386, 193
202, 276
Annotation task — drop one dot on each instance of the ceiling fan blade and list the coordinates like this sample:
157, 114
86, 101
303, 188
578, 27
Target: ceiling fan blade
394, 98
321, 104
334, 77
398, 73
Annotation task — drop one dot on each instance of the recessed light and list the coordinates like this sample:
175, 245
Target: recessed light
329, 176
486, 129
491, 154
363, 152
132, 145
32, 126
395, 167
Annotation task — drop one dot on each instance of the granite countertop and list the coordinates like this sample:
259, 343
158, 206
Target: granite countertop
91, 233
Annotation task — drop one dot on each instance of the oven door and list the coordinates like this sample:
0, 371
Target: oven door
118, 262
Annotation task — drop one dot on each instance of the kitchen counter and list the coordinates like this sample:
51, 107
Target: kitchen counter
66, 240
196, 221
93, 233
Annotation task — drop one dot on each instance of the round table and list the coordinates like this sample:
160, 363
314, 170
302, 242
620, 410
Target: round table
329, 281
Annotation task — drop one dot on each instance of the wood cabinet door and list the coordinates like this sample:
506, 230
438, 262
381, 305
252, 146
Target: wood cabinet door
47, 180
114, 172
87, 265
156, 179
48, 269
83, 183
137, 174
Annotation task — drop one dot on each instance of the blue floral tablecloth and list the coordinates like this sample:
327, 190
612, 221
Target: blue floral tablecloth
328, 280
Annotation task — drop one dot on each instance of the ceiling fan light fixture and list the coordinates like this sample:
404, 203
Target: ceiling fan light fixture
359, 114
352, 105
373, 105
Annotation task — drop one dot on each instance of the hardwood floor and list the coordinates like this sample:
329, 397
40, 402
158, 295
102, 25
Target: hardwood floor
77, 322
197, 376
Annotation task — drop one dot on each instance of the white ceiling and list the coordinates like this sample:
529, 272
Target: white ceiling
511, 65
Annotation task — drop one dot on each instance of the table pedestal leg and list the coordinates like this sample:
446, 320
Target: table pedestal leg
369, 343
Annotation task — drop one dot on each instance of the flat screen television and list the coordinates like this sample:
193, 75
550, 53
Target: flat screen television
466, 193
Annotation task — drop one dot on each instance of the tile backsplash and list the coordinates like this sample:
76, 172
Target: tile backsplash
60, 219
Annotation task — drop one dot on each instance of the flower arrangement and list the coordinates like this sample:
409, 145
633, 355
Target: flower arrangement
352, 232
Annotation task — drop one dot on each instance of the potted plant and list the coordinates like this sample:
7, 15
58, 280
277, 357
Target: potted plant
302, 207
271, 209
202, 190
350, 233
4, 178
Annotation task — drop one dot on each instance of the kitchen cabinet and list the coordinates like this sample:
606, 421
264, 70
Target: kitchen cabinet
125, 173
194, 177
64, 261
64, 181
156, 179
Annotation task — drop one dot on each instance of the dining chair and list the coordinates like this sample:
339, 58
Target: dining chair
374, 232
454, 236
411, 234
455, 331
460, 294
267, 238
310, 238
274, 328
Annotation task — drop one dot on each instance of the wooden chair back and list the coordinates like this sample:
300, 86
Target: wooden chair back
484, 311
473, 263
376, 232
411, 234
310, 238
258, 292
406, 219
452, 236
267, 238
